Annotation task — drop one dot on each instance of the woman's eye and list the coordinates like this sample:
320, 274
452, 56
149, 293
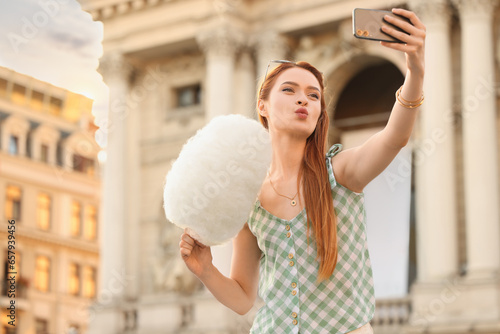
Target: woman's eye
314, 96
288, 89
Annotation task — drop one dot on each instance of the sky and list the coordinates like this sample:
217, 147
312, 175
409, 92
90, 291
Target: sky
57, 42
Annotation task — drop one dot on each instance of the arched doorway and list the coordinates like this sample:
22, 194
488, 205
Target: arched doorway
363, 94
367, 99
363, 98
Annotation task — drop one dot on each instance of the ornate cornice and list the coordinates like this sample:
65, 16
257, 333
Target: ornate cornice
110, 10
222, 40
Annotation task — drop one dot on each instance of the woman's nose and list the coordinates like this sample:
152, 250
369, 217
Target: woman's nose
301, 102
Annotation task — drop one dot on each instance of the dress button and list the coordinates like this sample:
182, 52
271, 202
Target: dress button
294, 285
294, 292
291, 263
294, 314
290, 256
288, 235
295, 322
288, 227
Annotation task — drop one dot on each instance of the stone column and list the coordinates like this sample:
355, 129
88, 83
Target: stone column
434, 155
245, 95
434, 158
270, 46
105, 315
480, 138
134, 259
220, 45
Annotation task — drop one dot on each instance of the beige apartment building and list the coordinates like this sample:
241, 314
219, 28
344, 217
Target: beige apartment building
172, 65
50, 192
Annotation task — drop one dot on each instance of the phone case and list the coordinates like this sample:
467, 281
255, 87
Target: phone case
367, 24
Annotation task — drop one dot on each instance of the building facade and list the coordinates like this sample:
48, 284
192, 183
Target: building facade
171, 66
50, 192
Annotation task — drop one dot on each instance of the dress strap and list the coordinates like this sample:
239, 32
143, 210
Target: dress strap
333, 151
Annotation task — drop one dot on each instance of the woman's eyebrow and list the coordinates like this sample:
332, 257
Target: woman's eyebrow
296, 84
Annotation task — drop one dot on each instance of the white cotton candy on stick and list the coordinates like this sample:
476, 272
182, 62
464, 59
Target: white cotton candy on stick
212, 186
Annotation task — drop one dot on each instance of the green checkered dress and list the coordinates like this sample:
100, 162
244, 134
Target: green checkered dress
294, 302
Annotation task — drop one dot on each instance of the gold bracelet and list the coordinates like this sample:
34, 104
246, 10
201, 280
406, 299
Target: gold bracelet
406, 103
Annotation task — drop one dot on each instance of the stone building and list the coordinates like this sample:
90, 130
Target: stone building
50, 192
173, 65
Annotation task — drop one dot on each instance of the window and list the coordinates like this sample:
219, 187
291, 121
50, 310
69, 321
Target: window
82, 164
43, 211
42, 273
74, 279
89, 282
41, 326
188, 96
13, 145
36, 102
76, 219
90, 231
44, 153
13, 203
19, 94
55, 106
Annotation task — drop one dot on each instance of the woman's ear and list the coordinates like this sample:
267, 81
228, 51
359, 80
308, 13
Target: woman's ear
262, 108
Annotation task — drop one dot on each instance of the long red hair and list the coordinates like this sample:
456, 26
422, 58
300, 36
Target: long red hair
317, 192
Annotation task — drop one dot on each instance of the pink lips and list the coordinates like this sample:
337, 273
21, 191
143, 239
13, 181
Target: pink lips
302, 113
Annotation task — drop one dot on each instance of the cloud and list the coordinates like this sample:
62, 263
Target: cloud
82, 35
54, 41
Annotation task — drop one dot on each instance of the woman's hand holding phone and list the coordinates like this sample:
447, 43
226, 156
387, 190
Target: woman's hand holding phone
399, 29
413, 40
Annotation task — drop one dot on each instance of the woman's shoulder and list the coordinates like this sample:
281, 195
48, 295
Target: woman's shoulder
338, 161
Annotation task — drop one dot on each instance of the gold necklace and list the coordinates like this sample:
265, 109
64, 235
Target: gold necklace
293, 202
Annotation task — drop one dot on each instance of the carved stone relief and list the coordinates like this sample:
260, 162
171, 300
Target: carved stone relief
170, 274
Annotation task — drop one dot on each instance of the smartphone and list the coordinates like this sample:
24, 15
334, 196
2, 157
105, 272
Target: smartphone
367, 24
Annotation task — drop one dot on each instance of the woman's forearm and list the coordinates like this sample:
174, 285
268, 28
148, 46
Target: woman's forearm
227, 291
402, 119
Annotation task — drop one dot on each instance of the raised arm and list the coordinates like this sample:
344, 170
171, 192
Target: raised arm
239, 291
355, 168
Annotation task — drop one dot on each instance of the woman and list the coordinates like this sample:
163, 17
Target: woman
306, 234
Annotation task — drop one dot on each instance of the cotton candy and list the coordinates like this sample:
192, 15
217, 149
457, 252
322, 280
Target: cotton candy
212, 186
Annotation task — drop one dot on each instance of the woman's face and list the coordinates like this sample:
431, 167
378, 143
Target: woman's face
294, 103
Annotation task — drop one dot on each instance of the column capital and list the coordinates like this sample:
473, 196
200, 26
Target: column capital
475, 8
269, 45
270, 42
114, 64
432, 11
222, 40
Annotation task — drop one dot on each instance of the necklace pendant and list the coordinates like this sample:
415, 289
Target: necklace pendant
293, 203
